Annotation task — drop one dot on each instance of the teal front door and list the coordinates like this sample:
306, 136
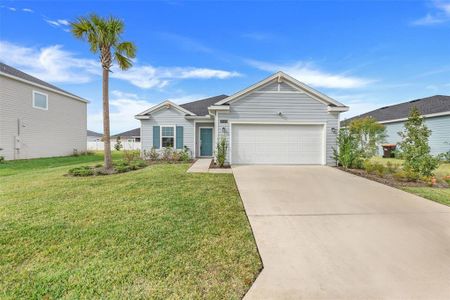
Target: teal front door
206, 143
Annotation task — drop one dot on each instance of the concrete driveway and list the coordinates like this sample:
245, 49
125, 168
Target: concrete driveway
325, 234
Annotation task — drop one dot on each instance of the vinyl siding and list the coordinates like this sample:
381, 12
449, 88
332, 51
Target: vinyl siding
439, 140
295, 107
273, 86
43, 133
167, 117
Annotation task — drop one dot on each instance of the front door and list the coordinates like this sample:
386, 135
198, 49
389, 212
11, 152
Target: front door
206, 137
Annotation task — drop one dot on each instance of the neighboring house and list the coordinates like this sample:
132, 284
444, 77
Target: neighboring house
38, 119
131, 139
278, 120
93, 136
435, 110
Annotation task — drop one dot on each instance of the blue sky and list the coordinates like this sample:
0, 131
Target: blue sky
364, 54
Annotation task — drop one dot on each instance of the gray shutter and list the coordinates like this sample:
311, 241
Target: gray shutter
179, 141
156, 137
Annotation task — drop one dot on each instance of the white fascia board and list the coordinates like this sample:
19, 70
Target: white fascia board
162, 105
219, 107
198, 117
338, 108
44, 87
138, 117
445, 113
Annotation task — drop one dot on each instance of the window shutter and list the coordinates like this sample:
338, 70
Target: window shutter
179, 137
156, 137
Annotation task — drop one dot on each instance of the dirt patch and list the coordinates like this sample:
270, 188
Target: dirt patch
388, 179
213, 165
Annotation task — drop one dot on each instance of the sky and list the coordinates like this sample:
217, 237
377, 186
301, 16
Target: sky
365, 54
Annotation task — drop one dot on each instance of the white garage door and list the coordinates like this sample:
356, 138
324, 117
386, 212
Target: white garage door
277, 144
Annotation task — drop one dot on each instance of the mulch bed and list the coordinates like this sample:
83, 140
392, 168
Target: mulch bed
213, 165
388, 179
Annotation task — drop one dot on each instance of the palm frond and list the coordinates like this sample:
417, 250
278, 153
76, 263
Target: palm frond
127, 48
124, 62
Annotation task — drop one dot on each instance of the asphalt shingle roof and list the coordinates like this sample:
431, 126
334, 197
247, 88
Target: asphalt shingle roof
430, 105
93, 133
17, 73
200, 107
132, 132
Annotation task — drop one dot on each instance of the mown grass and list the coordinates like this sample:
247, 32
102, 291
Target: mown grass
439, 195
157, 233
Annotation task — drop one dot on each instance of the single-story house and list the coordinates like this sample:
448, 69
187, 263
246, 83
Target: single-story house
92, 136
133, 135
434, 109
38, 119
278, 120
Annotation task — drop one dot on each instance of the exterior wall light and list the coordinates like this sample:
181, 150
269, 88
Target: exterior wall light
280, 113
334, 130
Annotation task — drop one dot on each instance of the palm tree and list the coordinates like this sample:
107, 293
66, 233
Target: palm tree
104, 37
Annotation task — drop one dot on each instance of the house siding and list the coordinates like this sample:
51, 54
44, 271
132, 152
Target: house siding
295, 107
439, 140
167, 117
43, 133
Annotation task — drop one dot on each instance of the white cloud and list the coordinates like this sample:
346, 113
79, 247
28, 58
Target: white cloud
55, 64
440, 15
123, 108
29, 10
309, 74
12, 8
58, 23
50, 63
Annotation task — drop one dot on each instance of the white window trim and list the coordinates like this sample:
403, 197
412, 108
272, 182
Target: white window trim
174, 136
43, 94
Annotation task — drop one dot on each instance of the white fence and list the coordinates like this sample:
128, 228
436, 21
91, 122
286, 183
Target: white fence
98, 145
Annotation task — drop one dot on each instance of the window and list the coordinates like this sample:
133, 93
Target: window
40, 100
167, 136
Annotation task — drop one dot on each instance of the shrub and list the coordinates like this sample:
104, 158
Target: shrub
185, 156
397, 154
222, 148
415, 148
151, 155
402, 175
369, 134
347, 154
131, 155
444, 157
167, 154
391, 168
82, 171
375, 168
118, 145
2, 159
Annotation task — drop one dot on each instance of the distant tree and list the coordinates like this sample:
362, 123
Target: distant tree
118, 145
104, 38
414, 145
369, 133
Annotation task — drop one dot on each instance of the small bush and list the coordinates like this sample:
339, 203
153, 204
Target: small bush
375, 168
2, 159
444, 157
118, 145
222, 148
82, 171
185, 156
131, 155
152, 154
167, 154
391, 168
347, 155
402, 175
176, 156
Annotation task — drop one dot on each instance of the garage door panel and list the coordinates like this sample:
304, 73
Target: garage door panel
277, 144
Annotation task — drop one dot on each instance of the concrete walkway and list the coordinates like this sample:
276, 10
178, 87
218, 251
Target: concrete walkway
202, 166
326, 234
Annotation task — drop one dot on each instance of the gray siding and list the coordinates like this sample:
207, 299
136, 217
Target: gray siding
295, 106
440, 133
43, 133
169, 117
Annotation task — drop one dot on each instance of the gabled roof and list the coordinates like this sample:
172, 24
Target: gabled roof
93, 133
281, 76
9, 71
167, 104
438, 104
200, 107
132, 132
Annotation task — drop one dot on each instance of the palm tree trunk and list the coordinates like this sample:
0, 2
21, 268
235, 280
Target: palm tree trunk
106, 130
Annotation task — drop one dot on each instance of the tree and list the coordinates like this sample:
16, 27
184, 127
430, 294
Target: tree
347, 154
369, 133
416, 152
118, 144
104, 38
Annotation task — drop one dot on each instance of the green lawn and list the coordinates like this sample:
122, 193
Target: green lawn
435, 194
154, 233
